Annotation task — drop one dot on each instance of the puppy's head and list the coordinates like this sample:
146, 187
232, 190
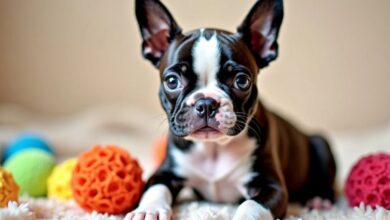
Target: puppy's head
208, 76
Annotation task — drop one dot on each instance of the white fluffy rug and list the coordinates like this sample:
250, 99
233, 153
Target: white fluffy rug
53, 209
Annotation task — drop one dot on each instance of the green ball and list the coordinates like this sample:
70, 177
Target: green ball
30, 169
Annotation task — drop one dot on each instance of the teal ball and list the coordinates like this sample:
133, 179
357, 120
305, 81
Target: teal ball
31, 169
26, 141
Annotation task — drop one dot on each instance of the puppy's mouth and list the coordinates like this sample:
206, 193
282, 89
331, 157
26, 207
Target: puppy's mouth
207, 129
206, 132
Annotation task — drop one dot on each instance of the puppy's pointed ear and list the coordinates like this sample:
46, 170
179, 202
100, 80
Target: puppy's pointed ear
157, 27
260, 30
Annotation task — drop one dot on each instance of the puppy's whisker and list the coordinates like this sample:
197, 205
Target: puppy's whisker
161, 115
162, 122
250, 127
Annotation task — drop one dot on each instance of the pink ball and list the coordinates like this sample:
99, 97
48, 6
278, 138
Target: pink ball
369, 181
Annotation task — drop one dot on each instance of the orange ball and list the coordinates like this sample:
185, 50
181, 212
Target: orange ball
160, 150
107, 180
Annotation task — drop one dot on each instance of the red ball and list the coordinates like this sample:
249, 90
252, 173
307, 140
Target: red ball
107, 180
369, 181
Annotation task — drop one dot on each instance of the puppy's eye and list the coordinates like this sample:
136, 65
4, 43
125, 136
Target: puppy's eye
172, 82
242, 82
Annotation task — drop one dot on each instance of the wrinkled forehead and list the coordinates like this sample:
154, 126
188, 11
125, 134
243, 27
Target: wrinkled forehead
208, 50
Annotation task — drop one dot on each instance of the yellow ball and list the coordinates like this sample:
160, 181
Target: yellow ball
9, 190
58, 182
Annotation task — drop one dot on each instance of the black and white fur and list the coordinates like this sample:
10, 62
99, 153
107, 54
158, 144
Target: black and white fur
223, 143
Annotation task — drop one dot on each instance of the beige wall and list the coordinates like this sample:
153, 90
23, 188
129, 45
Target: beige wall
61, 56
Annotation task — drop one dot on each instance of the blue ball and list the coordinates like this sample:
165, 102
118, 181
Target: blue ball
24, 142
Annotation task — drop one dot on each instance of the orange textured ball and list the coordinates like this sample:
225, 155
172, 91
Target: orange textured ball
107, 180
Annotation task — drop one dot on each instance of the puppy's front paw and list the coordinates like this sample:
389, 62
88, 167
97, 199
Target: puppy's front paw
153, 212
251, 210
319, 203
154, 205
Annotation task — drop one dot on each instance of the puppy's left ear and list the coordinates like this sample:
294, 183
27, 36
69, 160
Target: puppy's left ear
260, 30
157, 27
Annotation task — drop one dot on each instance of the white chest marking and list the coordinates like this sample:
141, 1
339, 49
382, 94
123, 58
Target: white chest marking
218, 171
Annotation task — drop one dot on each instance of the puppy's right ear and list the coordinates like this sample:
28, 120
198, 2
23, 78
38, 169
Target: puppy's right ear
260, 30
157, 27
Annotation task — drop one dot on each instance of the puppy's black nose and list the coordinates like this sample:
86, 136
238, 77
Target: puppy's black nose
206, 107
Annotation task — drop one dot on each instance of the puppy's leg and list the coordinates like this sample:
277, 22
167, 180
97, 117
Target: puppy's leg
160, 192
155, 204
318, 191
266, 199
322, 174
323, 168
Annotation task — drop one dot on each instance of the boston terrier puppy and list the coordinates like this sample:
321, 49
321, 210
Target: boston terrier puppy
223, 143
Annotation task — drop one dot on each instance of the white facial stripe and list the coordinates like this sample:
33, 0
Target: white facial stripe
213, 92
206, 64
206, 59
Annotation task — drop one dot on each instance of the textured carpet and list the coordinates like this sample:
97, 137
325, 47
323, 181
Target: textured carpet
53, 209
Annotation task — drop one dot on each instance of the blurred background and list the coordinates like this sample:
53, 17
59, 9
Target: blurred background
60, 60
59, 57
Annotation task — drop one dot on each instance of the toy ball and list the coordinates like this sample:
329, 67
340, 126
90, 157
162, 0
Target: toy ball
26, 141
107, 180
58, 183
31, 168
9, 190
159, 150
369, 181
